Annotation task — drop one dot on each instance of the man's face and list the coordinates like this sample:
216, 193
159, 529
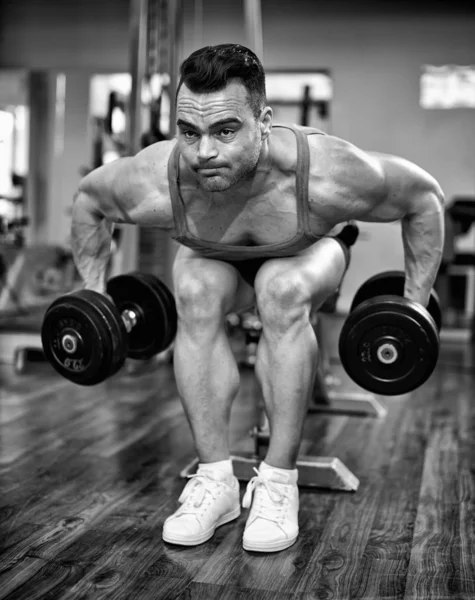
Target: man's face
218, 135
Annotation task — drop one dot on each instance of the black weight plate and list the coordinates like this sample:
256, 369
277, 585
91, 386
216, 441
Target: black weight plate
392, 282
170, 306
132, 292
81, 315
169, 301
155, 283
117, 330
400, 322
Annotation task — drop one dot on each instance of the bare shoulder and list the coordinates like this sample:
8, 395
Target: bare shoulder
151, 163
356, 184
135, 189
337, 162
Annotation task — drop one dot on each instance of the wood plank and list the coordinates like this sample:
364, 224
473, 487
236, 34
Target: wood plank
466, 490
88, 476
335, 561
38, 579
382, 568
88, 508
434, 565
207, 591
58, 535
136, 558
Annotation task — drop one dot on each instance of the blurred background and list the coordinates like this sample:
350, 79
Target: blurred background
82, 83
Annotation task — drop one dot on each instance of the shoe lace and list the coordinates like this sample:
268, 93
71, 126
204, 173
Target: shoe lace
193, 495
271, 498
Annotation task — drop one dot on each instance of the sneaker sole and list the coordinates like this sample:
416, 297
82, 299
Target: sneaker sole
206, 535
269, 546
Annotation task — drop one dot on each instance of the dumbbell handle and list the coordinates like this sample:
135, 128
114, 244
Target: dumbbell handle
69, 341
129, 317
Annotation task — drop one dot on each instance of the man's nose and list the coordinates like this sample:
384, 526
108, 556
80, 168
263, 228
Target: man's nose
207, 148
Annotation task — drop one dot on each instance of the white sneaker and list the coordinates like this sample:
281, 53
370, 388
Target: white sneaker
273, 520
209, 500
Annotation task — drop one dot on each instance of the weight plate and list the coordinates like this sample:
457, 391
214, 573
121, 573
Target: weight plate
169, 301
392, 282
118, 333
132, 292
389, 345
79, 319
154, 283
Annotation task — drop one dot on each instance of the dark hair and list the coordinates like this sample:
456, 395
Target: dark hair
210, 68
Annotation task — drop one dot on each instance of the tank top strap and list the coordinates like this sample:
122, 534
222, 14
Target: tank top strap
301, 181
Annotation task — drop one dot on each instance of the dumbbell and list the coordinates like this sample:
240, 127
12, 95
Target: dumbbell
389, 344
87, 337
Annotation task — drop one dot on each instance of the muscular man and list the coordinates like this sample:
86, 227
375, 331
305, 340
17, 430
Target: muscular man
251, 205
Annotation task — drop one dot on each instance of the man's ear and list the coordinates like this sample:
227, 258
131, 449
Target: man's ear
266, 122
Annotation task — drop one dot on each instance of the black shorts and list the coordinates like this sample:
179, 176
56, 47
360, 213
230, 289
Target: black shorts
248, 269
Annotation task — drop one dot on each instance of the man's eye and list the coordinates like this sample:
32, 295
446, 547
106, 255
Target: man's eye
226, 132
189, 134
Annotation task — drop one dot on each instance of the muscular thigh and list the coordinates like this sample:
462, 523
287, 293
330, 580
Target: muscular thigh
317, 272
221, 278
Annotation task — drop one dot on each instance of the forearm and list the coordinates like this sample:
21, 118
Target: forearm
423, 240
91, 236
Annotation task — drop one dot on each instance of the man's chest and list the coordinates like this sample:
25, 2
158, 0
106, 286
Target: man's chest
270, 217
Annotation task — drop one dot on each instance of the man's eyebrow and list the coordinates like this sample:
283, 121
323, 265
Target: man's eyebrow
185, 123
231, 120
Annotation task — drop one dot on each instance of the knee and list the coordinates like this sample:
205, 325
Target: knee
198, 298
282, 298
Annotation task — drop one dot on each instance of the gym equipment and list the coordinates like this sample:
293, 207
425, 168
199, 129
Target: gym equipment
388, 344
462, 211
252, 327
30, 278
328, 395
392, 283
314, 471
87, 337
253, 26
327, 472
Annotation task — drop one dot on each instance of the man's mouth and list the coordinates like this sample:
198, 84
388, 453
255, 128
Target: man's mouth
208, 171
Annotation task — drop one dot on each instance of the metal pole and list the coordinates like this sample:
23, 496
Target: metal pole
253, 25
175, 11
198, 24
128, 254
138, 65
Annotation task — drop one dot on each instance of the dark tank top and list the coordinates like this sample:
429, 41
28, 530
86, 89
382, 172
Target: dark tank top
229, 252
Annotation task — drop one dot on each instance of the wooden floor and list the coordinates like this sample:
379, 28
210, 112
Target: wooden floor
88, 475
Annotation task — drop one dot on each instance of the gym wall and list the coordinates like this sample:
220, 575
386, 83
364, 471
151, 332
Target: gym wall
374, 53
